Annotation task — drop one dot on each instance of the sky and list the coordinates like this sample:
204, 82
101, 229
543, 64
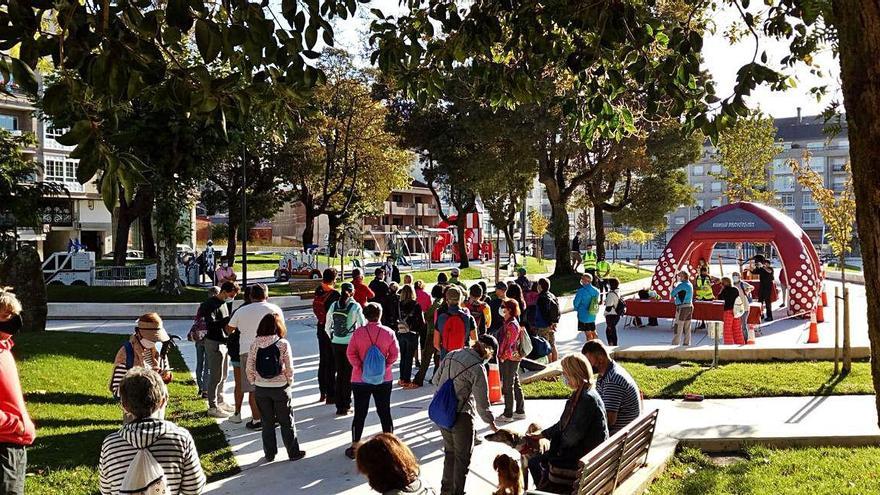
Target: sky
720, 58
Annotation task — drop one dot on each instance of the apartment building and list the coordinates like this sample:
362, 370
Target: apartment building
412, 207
796, 135
82, 215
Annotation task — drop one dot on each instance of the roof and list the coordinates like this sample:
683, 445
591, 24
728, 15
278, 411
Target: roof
418, 183
809, 127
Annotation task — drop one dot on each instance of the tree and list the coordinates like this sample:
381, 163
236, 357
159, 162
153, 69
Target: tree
539, 224
23, 197
745, 151
839, 214
109, 56
641, 238
615, 239
128, 211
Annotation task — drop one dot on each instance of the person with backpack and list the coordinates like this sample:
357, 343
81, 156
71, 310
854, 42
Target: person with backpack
547, 316
196, 335
479, 309
142, 350
615, 308
409, 326
325, 295
148, 454
429, 351
495, 307
379, 287
343, 316
586, 303
17, 431
531, 298
372, 352
456, 326
512, 349
462, 394
216, 312
270, 368
362, 293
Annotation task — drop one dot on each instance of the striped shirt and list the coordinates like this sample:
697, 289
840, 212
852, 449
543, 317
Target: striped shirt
620, 394
171, 446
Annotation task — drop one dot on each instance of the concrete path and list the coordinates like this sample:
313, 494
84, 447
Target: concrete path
324, 436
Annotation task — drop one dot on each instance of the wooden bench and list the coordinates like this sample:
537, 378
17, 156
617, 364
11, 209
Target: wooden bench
616, 459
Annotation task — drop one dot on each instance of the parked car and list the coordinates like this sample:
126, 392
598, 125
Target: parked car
131, 254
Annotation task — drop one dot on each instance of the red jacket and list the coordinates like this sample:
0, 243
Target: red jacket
323, 294
362, 293
15, 423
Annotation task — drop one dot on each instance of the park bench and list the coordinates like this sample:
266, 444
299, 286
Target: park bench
604, 468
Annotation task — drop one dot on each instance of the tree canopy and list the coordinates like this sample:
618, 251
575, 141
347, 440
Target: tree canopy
745, 151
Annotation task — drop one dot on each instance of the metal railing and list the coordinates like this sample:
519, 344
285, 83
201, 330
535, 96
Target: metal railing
120, 276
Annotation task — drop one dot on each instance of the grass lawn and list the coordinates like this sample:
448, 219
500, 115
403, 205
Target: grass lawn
569, 284
731, 380
430, 276
533, 266
818, 471
66, 293
64, 377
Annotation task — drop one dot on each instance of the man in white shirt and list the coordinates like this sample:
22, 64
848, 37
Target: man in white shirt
245, 321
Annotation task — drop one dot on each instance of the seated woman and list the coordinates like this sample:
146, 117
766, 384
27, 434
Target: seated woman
581, 428
390, 466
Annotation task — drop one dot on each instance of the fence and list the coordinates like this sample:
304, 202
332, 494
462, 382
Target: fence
120, 276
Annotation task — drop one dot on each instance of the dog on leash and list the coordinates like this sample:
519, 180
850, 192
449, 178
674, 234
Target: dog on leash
526, 446
510, 478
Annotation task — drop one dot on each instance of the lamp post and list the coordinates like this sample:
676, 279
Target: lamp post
244, 229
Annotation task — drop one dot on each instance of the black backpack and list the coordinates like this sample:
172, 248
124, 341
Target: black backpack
620, 308
552, 315
268, 361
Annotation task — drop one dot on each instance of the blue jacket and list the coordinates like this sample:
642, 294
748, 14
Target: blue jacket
688, 289
582, 301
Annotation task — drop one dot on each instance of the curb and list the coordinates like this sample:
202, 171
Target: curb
130, 311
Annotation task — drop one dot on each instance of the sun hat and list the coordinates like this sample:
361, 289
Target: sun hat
151, 330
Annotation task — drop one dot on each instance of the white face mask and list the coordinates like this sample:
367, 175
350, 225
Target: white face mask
735, 279
230, 299
148, 344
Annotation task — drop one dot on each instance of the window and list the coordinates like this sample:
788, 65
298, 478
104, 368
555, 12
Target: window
53, 133
698, 187
817, 163
811, 218
837, 163
786, 145
780, 166
816, 145
397, 221
419, 200
808, 201
9, 122
699, 170
716, 202
838, 183
715, 186
783, 183
715, 169
679, 220
397, 198
420, 221
59, 169
843, 144
787, 200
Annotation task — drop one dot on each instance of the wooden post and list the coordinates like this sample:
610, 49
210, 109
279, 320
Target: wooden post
847, 354
836, 330
497, 260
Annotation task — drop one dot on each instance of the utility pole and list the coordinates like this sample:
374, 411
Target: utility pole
244, 229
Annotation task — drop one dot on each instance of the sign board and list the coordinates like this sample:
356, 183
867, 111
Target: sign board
737, 220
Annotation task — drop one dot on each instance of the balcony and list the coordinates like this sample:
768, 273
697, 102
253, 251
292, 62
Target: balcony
72, 186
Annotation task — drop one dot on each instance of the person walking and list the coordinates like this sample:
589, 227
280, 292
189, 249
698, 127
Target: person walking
703, 288
465, 367
745, 292
244, 322
586, 303
495, 309
410, 325
613, 305
343, 316
141, 350
576, 257
455, 327
429, 351
143, 395
580, 429
618, 389
547, 316
216, 313
362, 293
196, 335
765, 276
683, 297
325, 295
390, 466
17, 431
269, 365
478, 309
509, 356
732, 312
372, 352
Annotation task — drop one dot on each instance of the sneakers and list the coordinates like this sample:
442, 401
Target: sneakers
226, 407
410, 385
349, 452
504, 419
521, 415
235, 418
254, 425
298, 455
217, 413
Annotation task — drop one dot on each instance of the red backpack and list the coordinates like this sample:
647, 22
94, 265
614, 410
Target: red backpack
454, 332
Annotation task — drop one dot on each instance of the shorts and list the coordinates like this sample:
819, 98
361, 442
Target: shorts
246, 385
549, 334
586, 327
576, 257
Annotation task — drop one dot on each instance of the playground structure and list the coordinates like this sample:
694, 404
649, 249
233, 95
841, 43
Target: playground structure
298, 264
475, 246
801, 275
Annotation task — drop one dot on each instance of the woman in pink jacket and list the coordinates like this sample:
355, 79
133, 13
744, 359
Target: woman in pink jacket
363, 383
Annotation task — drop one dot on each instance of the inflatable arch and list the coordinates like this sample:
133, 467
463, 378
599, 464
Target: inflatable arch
801, 274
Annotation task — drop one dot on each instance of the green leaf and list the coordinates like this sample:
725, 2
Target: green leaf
109, 192
86, 169
80, 130
311, 35
24, 76
208, 41
179, 15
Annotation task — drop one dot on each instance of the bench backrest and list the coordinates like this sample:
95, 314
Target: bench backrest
612, 462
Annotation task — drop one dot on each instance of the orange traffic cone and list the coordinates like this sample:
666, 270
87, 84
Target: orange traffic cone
824, 297
820, 314
494, 383
814, 329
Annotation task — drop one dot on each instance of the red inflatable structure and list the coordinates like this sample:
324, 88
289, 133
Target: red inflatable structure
745, 222
473, 239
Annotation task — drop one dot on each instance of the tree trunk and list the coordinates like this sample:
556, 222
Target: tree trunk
508, 237
599, 221
124, 219
231, 241
335, 224
847, 350
559, 226
167, 220
858, 25
461, 227
308, 235
148, 240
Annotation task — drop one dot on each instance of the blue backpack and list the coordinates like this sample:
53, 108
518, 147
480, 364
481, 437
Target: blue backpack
443, 409
373, 371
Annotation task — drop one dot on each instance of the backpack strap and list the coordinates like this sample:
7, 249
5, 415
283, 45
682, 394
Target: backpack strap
129, 355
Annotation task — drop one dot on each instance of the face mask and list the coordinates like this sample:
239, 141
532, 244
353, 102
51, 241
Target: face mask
736, 280
500, 313
230, 299
148, 344
12, 325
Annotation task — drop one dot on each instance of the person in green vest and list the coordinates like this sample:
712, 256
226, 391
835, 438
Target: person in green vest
590, 264
603, 269
703, 288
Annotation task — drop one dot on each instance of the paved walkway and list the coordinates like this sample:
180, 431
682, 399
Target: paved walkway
324, 436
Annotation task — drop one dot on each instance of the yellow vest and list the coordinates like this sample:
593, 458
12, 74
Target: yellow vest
590, 260
703, 288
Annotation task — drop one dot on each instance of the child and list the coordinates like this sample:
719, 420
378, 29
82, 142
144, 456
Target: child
270, 369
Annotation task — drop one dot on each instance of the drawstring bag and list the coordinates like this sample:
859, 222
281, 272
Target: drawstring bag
373, 371
144, 476
443, 409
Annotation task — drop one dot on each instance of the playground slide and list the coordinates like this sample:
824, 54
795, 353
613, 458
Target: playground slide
443, 240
